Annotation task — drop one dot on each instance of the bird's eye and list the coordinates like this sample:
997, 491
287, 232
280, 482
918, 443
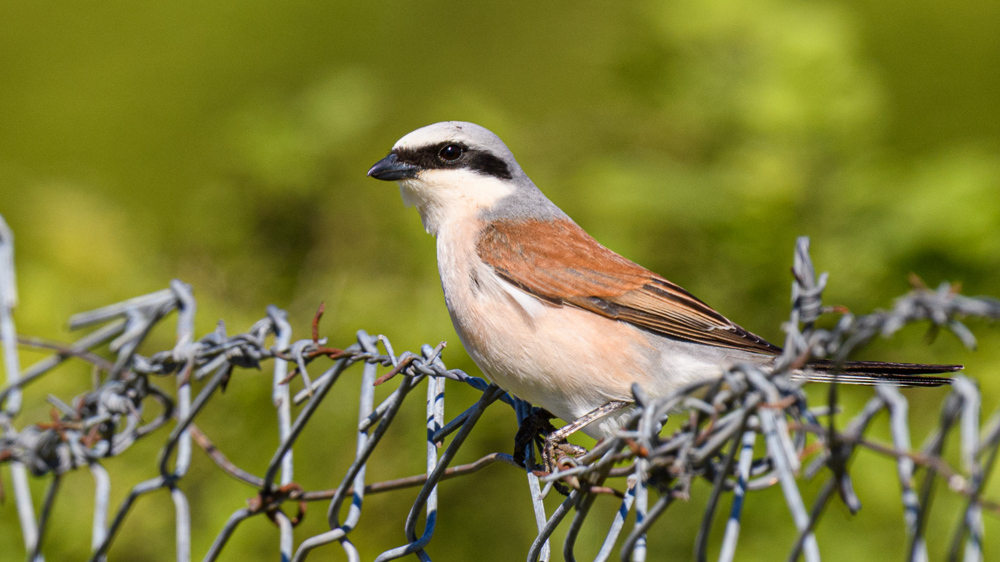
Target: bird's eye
451, 152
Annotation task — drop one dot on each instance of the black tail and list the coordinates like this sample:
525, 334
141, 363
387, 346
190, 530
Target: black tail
877, 372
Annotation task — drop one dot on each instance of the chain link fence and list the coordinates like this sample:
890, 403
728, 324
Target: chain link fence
745, 431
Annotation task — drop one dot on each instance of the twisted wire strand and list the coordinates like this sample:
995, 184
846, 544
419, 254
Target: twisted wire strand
714, 444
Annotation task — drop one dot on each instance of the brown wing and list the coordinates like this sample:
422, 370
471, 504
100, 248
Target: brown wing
558, 262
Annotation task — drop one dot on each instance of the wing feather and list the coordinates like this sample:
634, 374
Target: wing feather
557, 261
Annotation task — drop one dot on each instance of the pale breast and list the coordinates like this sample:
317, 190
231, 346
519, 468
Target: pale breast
564, 359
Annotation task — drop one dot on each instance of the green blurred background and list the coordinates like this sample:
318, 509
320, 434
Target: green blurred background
226, 144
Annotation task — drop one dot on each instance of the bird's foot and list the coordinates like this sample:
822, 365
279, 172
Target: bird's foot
556, 441
558, 453
533, 429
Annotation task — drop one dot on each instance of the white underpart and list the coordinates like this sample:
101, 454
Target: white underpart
565, 359
443, 196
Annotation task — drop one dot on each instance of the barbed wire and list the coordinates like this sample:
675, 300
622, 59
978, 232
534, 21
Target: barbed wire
724, 420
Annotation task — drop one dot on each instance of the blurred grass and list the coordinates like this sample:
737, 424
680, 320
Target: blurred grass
226, 144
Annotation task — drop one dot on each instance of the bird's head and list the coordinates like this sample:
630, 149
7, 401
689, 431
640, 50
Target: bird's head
455, 171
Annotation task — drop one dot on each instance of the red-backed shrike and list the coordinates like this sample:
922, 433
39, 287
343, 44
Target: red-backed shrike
548, 313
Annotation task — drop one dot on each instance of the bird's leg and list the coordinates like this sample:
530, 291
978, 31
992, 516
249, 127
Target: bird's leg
532, 429
557, 439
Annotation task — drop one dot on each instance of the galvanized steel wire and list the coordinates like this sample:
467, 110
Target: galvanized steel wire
724, 420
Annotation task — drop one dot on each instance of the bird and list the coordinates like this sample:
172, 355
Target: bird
548, 313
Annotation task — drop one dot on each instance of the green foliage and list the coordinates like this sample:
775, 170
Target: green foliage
226, 144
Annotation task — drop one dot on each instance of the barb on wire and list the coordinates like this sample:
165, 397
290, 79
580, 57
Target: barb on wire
714, 446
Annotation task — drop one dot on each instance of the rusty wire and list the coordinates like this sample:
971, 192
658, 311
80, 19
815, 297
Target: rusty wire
725, 419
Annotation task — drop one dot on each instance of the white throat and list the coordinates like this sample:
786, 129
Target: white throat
445, 197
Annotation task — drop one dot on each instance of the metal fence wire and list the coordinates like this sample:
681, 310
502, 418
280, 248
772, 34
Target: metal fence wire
745, 431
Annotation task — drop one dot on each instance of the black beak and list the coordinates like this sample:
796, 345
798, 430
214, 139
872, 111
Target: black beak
391, 168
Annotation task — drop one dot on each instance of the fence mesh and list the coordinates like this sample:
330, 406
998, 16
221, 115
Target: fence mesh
745, 431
